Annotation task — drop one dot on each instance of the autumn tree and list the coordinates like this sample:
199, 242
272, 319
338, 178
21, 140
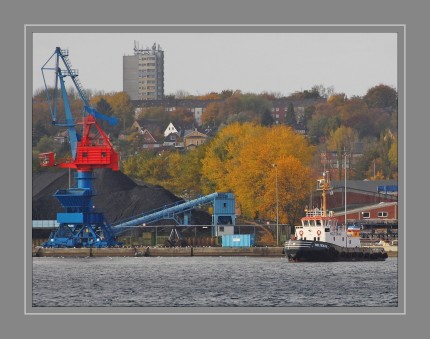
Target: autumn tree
379, 120
178, 172
226, 93
232, 105
313, 93
254, 163
342, 140
185, 173
337, 99
123, 108
210, 96
354, 113
210, 116
221, 155
240, 160
381, 96
294, 185
181, 116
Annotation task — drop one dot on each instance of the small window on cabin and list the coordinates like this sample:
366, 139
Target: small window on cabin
318, 238
315, 238
84, 154
318, 222
225, 205
350, 242
304, 238
221, 228
382, 214
343, 238
103, 154
365, 215
334, 238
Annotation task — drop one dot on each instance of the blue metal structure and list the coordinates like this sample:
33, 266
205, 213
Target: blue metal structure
66, 233
238, 240
79, 225
223, 212
387, 189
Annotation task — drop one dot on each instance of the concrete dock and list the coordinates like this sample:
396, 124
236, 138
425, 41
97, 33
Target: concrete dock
158, 252
167, 252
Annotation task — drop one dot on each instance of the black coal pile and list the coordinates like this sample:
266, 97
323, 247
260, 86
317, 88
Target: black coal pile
117, 196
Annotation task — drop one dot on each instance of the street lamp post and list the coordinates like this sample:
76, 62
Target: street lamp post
277, 206
346, 228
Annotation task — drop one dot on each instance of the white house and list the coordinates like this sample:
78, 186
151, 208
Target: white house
170, 129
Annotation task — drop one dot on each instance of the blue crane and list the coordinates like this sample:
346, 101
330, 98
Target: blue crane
80, 225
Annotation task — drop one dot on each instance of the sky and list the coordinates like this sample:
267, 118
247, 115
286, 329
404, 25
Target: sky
200, 63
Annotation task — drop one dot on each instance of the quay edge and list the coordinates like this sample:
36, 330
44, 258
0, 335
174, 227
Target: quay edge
166, 252
158, 252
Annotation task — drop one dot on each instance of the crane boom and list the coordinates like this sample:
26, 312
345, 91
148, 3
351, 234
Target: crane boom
83, 143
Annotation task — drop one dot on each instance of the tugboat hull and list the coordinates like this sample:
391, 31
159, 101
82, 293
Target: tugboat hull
318, 251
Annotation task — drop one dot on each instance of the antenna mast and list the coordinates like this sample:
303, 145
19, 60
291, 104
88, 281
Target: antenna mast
324, 185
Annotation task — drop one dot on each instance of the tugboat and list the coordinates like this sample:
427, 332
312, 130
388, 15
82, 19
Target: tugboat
319, 238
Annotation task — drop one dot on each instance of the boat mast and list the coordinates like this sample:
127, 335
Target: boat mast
324, 185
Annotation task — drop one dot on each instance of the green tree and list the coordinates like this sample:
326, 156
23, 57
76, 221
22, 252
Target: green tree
365, 164
267, 119
388, 169
121, 107
103, 107
290, 115
46, 144
393, 154
309, 111
324, 120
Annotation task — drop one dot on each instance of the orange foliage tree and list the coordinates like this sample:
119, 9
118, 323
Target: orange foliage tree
241, 158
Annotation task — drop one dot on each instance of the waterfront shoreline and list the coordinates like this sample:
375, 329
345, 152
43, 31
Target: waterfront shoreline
164, 252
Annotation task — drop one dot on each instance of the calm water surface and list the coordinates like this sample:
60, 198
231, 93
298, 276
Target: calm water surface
212, 282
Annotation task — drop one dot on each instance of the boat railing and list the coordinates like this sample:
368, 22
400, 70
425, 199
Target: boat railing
315, 213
